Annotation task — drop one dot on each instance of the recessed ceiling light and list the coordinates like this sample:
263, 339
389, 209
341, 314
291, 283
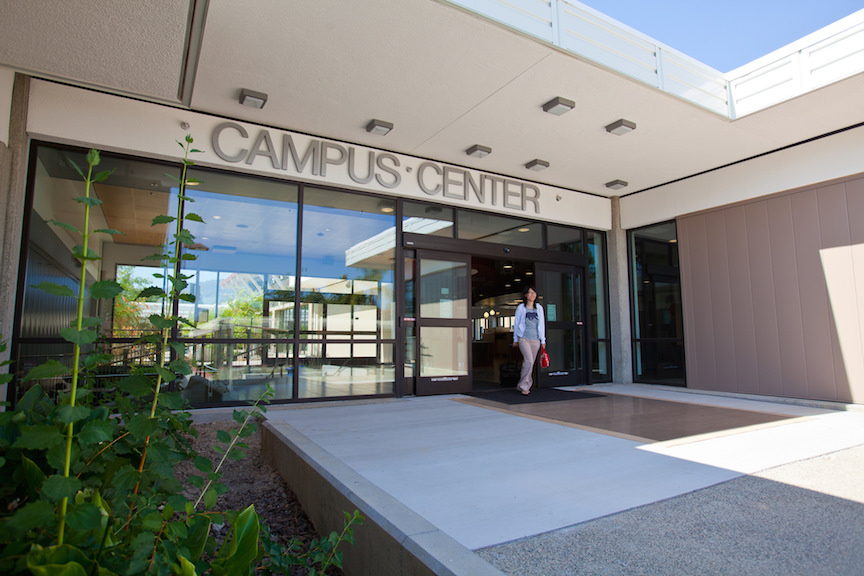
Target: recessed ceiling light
217, 217
616, 184
252, 98
524, 229
478, 151
558, 106
537, 165
620, 127
379, 127
386, 206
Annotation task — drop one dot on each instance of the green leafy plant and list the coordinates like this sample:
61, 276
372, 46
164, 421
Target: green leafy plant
87, 484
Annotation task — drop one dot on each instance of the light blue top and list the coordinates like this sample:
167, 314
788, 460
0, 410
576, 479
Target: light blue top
521, 325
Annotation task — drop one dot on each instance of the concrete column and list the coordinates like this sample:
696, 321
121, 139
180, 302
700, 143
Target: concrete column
619, 299
13, 188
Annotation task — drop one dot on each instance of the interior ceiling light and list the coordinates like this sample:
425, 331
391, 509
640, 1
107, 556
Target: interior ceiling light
620, 127
524, 229
252, 98
559, 106
478, 151
616, 184
379, 127
386, 207
537, 165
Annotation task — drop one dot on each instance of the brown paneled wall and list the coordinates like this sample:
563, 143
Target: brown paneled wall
773, 294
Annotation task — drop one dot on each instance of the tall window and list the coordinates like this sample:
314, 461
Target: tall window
658, 334
348, 323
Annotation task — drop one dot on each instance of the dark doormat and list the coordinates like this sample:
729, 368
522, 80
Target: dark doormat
630, 417
512, 397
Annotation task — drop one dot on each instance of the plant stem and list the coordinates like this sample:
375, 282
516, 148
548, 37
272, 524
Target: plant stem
76, 354
173, 296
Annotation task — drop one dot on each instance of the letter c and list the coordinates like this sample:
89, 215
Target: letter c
217, 132
422, 184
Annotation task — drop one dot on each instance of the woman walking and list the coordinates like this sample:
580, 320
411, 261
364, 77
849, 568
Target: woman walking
529, 334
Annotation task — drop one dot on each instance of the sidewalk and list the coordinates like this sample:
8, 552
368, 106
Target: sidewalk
536, 497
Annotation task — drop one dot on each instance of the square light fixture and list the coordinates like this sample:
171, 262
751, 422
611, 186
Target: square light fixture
537, 165
620, 127
379, 127
616, 184
252, 98
559, 106
478, 151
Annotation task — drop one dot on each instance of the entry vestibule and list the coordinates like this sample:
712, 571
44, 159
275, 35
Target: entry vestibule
322, 293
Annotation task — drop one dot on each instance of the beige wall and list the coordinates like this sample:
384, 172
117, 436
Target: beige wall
773, 294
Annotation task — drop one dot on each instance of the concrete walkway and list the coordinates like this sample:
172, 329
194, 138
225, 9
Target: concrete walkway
536, 497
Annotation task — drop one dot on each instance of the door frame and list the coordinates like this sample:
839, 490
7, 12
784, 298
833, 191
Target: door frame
552, 377
444, 384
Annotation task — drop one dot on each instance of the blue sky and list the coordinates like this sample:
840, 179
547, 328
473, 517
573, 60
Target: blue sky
726, 34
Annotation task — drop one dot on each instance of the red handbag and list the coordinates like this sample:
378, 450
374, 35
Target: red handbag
544, 358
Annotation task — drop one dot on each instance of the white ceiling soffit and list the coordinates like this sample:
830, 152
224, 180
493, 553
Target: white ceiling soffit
129, 47
446, 78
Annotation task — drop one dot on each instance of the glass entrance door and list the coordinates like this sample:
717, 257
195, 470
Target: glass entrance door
561, 293
443, 323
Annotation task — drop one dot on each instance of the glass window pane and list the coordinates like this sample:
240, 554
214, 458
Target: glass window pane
346, 369
500, 229
658, 338
564, 239
224, 372
597, 284
246, 257
443, 351
348, 254
443, 289
427, 219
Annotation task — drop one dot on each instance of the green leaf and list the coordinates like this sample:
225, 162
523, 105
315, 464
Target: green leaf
75, 166
244, 543
141, 426
97, 431
203, 464
210, 498
78, 252
85, 517
80, 337
55, 289
63, 225
199, 529
161, 322
88, 321
136, 385
180, 366
150, 292
109, 231
50, 369
188, 256
105, 289
39, 437
70, 414
102, 176
186, 297
185, 237
157, 257
194, 217
88, 200
162, 219
179, 348
167, 375
57, 487
223, 436
32, 515
33, 476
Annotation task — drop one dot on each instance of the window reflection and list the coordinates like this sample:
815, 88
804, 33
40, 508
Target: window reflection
500, 229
